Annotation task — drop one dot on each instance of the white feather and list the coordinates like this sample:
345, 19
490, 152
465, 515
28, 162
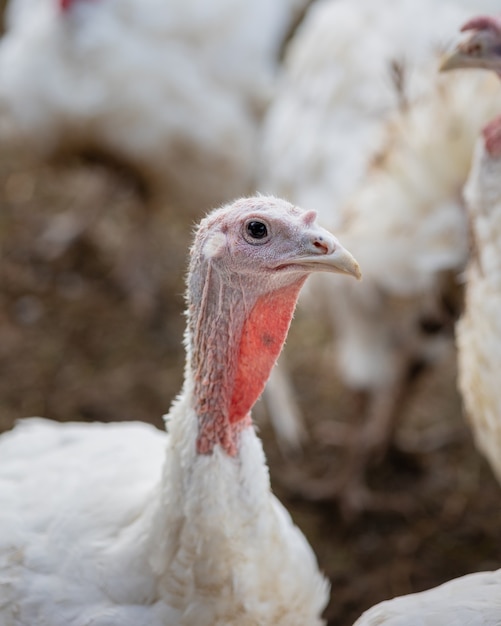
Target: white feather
473, 600
479, 330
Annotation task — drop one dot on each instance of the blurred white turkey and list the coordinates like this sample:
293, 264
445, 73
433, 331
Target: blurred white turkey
474, 599
121, 524
479, 330
173, 89
365, 129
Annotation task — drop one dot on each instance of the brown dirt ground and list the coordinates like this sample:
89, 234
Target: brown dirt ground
91, 324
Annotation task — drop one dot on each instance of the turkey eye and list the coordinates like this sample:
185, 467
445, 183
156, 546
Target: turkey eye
257, 230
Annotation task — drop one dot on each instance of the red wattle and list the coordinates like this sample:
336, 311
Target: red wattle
263, 335
492, 137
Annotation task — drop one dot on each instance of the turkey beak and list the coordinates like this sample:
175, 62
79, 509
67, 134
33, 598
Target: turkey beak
480, 50
456, 59
324, 253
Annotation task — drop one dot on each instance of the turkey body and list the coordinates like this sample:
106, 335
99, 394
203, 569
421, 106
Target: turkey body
74, 552
408, 222
173, 90
121, 524
474, 600
479, 329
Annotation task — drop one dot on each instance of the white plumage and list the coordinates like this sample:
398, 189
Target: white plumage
408, 223
473, 600
90, 537
350, 64
174, 90
479, 330
121, 524
373, 136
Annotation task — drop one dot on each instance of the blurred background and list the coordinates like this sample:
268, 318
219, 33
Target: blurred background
121, 124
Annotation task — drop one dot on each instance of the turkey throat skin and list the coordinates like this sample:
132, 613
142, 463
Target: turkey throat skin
237, 339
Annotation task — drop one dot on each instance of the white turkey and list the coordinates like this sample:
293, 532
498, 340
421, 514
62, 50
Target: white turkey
121, 524
474, 599
373, 136
479, 330
174, 90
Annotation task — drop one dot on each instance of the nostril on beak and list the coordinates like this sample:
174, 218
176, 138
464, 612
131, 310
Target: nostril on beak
321, 245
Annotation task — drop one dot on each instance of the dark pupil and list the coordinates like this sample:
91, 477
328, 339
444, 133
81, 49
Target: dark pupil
257, 230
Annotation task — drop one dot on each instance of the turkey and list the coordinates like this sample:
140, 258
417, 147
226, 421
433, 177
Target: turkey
474, 599
121, 524
380, 144
172, 90
479, 331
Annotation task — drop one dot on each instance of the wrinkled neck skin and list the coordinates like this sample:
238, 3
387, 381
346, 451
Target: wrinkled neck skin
233, 340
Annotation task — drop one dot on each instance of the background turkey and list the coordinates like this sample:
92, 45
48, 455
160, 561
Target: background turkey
475, 598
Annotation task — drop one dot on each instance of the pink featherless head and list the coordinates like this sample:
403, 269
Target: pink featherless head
484, 22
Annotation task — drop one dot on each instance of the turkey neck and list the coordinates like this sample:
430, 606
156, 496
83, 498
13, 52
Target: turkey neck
235, 334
